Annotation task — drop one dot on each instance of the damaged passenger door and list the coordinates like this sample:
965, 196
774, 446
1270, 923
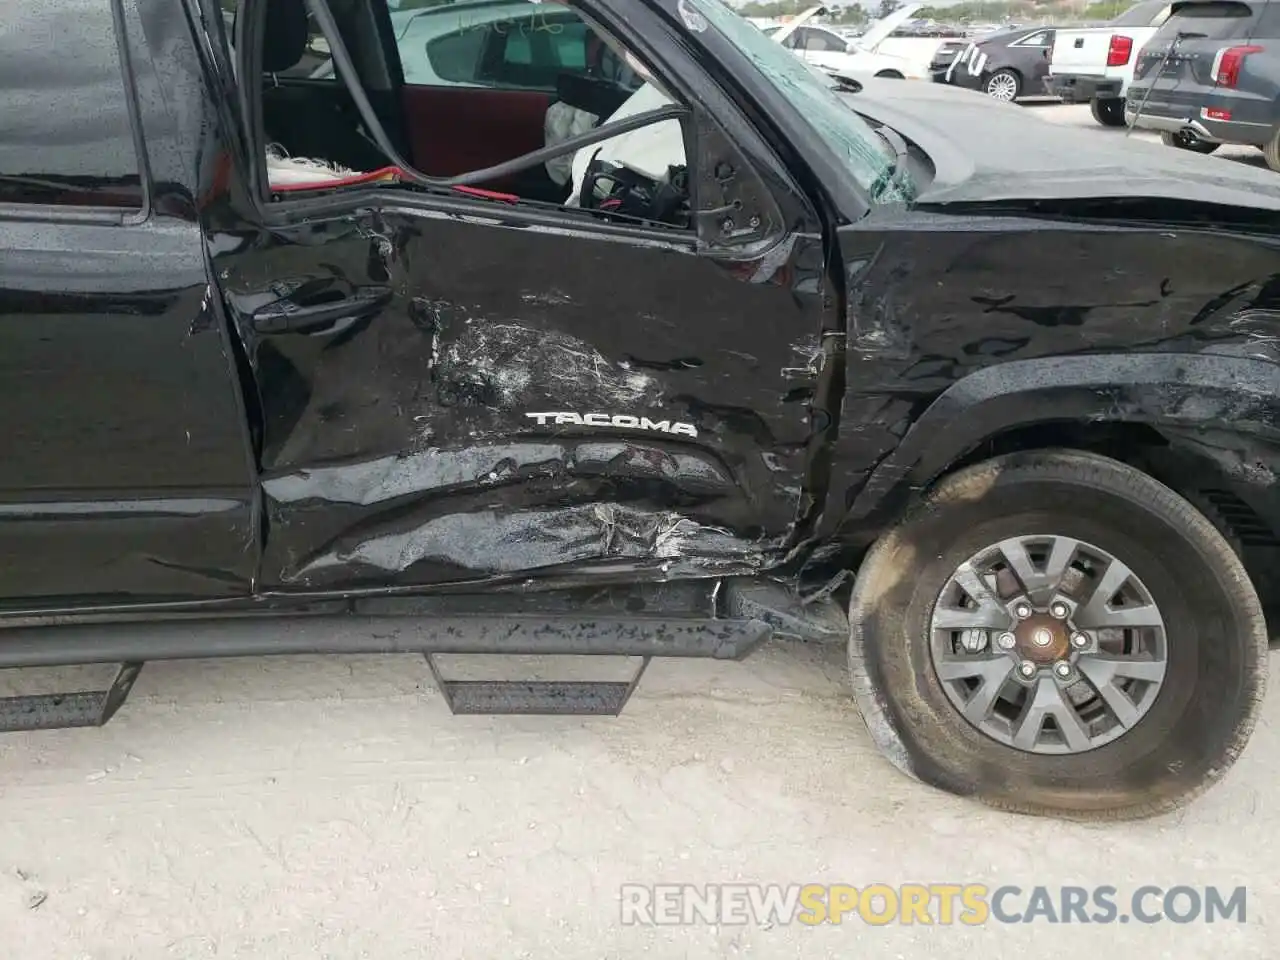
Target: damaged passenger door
454, 389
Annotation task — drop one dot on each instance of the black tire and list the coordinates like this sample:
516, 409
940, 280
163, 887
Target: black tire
1006, 75
890, 75
1271, 151
1187, 141
1108, 112
1215, 630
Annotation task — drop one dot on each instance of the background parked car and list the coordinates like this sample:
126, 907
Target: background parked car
826, 49
1006, 65
1211, 75
514, 45
520, 52
1094, 65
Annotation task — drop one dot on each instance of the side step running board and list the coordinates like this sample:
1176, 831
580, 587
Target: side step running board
56, 711
133, 644
521, 634
583, 698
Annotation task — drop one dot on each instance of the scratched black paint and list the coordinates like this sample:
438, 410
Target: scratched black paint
167, 443
1124, 308
490, 322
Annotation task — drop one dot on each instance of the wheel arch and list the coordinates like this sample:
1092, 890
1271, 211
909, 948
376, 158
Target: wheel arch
1223, 411
1007, 68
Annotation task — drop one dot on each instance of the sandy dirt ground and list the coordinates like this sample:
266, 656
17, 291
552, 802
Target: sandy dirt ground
308, 808
333, 808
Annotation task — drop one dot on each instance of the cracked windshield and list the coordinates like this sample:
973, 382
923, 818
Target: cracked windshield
812, 93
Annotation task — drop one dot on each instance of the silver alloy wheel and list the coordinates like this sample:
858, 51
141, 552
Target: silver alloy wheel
1088, 653
1003, 86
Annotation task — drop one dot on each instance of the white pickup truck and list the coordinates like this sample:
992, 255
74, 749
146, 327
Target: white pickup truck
1095, 65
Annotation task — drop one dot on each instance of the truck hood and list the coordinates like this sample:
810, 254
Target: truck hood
987, 151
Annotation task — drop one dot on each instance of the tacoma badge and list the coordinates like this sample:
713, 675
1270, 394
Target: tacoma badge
619, 420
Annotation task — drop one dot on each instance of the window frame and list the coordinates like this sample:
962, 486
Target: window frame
492, 56
486, 40
829, 36
1023, 41
439, 195
500, 57
93, 213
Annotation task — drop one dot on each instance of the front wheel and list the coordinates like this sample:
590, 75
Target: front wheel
1003, 85
1108, 112
890, 75
1188, 141
1059, 634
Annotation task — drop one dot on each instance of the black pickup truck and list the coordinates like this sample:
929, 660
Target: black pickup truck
299, 315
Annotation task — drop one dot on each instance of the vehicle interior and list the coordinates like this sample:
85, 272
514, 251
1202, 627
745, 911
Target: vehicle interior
492, 81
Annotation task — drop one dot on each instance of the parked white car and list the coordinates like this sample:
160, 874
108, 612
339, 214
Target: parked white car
828, 50
516, 45
1095, 65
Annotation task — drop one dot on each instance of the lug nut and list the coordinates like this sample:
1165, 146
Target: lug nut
1079, 641
1062, 669
1006, 641
1027, 668
1060, 610
1022, 611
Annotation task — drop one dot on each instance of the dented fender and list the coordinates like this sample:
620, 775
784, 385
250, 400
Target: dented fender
1186, 394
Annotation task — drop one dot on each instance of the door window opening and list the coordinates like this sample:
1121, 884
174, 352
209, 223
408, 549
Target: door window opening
505, 100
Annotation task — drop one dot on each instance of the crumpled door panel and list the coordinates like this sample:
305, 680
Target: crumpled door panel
526, 400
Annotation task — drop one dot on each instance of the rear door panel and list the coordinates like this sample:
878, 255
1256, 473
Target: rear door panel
126, 476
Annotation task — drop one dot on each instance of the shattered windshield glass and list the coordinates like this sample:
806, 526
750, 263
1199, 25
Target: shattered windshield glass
852, 138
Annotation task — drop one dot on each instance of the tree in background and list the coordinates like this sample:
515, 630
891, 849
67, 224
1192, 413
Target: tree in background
1106, 9
1032, 11
773, 8
886, 7
851, 15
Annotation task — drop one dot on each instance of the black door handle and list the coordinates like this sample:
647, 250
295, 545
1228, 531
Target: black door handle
288, 315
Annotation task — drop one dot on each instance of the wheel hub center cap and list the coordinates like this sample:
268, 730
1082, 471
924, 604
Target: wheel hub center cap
1000, 638
1042, 639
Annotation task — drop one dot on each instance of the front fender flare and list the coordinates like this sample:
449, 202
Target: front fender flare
1183, 391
